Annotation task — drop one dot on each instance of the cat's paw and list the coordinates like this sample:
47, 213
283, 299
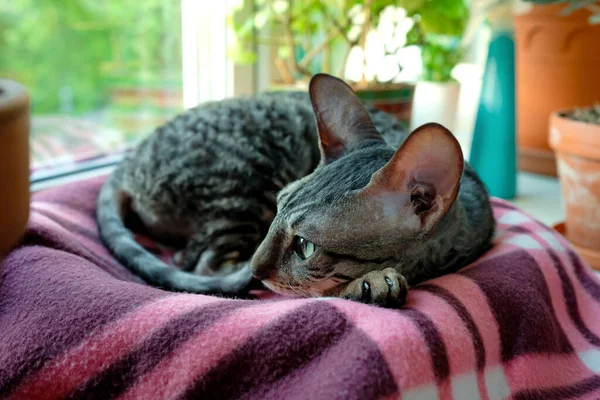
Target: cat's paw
386, 288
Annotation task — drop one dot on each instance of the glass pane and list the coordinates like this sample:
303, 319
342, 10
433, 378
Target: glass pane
101, 74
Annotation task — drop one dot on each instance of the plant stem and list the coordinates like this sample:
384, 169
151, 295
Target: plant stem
342, 30
316, 50
269, 41
289, 36
363, 39
327, 60
342, 67
284, 71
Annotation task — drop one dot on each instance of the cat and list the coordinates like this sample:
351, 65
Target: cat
371, 219
312, 194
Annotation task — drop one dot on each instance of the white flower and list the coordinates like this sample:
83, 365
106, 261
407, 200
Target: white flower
354, 32
280, 6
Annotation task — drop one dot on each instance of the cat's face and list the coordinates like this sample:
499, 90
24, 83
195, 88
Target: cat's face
363, 206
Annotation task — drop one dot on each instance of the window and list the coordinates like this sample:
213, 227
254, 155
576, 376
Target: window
102, 75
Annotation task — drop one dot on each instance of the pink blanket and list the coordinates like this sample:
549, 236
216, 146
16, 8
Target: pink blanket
522, 323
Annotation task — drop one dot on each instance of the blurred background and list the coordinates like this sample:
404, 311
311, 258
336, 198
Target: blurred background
103, 74
498, 73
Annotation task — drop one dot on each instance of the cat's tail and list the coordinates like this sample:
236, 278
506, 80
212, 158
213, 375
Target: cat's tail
111, 210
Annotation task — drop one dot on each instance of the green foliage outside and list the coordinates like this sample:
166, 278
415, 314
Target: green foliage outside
308, 32
70, 53
573, 5
438, 30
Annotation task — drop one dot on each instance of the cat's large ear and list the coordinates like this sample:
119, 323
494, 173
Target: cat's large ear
342, 120
424, 171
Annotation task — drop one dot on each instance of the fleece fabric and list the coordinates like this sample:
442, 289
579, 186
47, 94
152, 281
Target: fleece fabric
520, 323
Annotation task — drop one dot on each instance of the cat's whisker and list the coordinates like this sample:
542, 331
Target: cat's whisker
293, 289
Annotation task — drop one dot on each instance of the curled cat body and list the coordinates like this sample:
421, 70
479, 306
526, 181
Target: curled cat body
312, 194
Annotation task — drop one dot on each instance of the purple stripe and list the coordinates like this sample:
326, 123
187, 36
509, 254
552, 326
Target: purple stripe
520, 300
578, 389
437, 349
79, 196
70, 224
466, 317
571, 301
117, 378
50, 301
518, 229
298, 340
589, 284
108, 264
39, 235
351, 369
499, 204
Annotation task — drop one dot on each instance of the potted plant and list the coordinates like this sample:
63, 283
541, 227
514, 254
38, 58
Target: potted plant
575, 138
14, 163
321, 36
438, 31
556, 68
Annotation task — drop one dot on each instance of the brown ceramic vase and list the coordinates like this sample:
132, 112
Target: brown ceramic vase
577, 148
14, 163
557, 65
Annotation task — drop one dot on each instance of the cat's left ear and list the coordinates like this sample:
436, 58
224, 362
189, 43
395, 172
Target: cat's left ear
426, 171
342, 120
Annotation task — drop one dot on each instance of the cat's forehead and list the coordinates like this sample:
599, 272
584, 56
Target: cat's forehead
325, 207
356, 226
331, 183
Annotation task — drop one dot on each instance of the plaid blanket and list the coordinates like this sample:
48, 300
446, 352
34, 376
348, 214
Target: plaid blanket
521, 323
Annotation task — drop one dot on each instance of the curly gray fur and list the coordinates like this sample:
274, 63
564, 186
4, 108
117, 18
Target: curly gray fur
209, 179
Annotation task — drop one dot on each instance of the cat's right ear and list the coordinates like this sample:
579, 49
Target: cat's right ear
342, 119
424, 173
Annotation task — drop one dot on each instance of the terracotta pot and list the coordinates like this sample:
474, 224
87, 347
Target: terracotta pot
590, 256
557, 64
14, 163
396, 99
577, 147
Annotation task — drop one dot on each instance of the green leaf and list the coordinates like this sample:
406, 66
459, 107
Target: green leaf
241, 56
281, 6
575, 5
284, 52
246, 28
234, 5
544, 1
412, 6
260, 19
594, 19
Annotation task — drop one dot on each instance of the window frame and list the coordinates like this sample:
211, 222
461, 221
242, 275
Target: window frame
207, 73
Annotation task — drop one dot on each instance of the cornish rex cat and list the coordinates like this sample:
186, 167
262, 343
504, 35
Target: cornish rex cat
352, 216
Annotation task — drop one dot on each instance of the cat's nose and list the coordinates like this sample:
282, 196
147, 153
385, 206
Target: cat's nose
260, 276
261, 269
263, 261
260, 272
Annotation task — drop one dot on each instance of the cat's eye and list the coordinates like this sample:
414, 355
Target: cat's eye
303, 248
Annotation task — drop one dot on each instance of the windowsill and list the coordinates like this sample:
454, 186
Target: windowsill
71, 177
541, 197
538, 195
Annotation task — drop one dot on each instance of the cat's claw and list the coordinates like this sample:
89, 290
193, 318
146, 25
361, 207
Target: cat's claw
386, 288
